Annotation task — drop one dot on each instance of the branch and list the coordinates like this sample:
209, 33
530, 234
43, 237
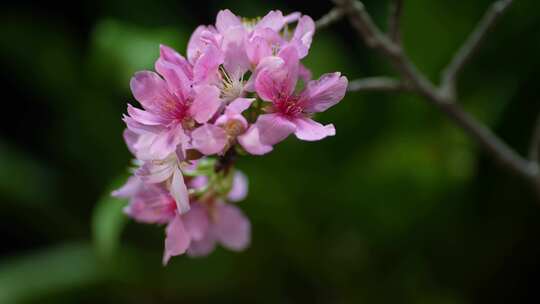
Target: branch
374, 38
394, 21
332, 16
382, 84
472, 44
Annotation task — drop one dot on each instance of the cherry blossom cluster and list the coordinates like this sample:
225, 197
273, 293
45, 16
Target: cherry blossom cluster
240, 90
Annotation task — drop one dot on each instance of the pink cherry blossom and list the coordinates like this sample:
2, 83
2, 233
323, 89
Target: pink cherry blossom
290, 112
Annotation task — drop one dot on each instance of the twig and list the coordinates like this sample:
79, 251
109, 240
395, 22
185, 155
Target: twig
472, 44
374, 38
377, 84
332, 16
394, 21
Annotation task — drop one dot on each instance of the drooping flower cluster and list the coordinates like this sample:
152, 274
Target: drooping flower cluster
237, 92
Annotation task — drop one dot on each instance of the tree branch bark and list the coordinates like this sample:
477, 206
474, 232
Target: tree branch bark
382, 84
472, 44
394, 21
439, 97
332, 16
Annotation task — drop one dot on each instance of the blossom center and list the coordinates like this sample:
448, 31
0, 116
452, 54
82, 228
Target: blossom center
289, 106
231, 86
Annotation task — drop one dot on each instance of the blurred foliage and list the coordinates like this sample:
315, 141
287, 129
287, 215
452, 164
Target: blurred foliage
399, 207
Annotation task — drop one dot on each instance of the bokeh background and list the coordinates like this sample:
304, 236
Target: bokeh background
399, 207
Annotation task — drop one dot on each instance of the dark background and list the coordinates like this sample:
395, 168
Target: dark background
399, 207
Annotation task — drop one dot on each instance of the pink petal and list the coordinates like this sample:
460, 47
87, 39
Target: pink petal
152, 173
310, 130
131, 139
205, 104
149, 89
165, 143
239, 105
273, 20
235, 59
198, 182
177, 239
277, 79
257, 49
206, 67
251, 142
196, 45
152, 205
196, 222
232, 228
239, 189
145, 117
226, 19
179, 191
303, 35
273, 128
202, 247
129, 189
268, 91
292, 17
209, 139
176, 71
304, 73
323, 93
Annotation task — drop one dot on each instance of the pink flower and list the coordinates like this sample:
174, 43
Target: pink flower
172, 105
290, 112
196, 231
227, 225
213, 138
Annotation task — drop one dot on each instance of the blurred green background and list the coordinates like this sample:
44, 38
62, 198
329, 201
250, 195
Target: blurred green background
399, 207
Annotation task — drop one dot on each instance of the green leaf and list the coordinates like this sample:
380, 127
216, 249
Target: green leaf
48, 271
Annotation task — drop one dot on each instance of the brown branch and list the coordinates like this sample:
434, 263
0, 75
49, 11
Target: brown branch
394, 21
383, 84
472, 44
332, 16
446, 103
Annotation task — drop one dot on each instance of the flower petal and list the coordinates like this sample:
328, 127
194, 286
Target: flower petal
251, 142
310, 130
257, 49
205, 104
239, 105
323, 93
176, 70
206, 67
145, 117
226, 19
209, 139
273, 128
278, 78
239, 189
153, 173
202, 247
232, 227
129, 189
149, 89
166, 142
152, 205
179, 191
273, 20
177, 239
196, 45
303, 35
196, 222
